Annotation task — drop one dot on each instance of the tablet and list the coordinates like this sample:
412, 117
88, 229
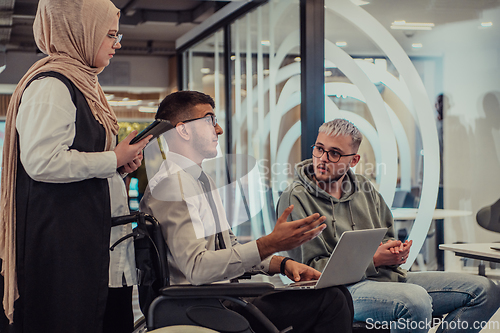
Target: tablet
156, 128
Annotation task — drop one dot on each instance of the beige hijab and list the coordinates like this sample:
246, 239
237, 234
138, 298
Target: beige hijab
71, 33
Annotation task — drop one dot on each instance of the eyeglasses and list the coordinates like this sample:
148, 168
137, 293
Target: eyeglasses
333, 156
117, 38
208, 117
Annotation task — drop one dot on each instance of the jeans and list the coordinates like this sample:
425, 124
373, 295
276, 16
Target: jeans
469, 301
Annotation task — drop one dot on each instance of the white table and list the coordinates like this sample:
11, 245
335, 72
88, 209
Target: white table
479, 251
411, 213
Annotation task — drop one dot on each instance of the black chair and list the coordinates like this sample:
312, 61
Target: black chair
489, 217
166, 305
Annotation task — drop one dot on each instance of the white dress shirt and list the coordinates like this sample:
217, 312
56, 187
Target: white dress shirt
46, 127
176, 198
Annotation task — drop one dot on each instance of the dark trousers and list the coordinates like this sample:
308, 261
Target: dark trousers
313, 311
119, 316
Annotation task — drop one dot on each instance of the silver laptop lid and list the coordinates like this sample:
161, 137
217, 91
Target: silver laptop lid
351, 257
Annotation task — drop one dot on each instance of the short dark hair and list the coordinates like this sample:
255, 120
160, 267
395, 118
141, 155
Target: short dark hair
177, 106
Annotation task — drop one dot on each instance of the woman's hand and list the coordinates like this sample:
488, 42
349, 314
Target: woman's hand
132, 166
130, 155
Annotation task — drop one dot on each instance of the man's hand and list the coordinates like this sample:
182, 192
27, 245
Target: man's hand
393, 252
127, 153
294, 270
300, 272
289, 235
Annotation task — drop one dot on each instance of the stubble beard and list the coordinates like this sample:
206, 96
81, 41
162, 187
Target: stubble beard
202, 145
327, 182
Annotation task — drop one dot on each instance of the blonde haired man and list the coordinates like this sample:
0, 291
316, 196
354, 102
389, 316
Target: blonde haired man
389, 296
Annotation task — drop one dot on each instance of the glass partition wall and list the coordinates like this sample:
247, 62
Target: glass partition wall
203, 71
417, 77
265, 86
261, 122
371, 80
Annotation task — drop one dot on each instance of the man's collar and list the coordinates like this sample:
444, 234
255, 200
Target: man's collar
185, 163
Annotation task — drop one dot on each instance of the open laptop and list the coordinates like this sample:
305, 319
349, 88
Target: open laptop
348, 262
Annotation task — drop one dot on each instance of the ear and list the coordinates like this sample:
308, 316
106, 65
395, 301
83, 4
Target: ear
183, 132
355, 160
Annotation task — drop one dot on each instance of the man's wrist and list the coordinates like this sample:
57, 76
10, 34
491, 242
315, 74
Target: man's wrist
265, 248
375, 262
275, 264
283, 264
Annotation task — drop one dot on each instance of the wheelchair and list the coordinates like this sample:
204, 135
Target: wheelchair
165, 305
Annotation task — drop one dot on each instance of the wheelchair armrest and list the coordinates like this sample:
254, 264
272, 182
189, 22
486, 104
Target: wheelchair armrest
245, 276
125, 219
219, 289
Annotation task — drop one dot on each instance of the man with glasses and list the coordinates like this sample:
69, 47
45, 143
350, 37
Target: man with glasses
202, 248
389, 297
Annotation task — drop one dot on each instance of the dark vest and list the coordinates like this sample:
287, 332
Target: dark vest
63, 232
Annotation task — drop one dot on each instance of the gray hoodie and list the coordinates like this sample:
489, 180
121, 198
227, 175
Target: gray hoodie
360, 207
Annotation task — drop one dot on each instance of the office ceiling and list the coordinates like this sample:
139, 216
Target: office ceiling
457, 23
150, 27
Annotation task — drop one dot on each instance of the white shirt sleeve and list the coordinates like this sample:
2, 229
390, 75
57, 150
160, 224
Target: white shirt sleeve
180, 205
46, 127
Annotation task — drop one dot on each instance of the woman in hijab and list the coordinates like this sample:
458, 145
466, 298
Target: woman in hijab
62, 181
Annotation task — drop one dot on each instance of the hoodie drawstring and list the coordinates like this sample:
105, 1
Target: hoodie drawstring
333, 218
351, 216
